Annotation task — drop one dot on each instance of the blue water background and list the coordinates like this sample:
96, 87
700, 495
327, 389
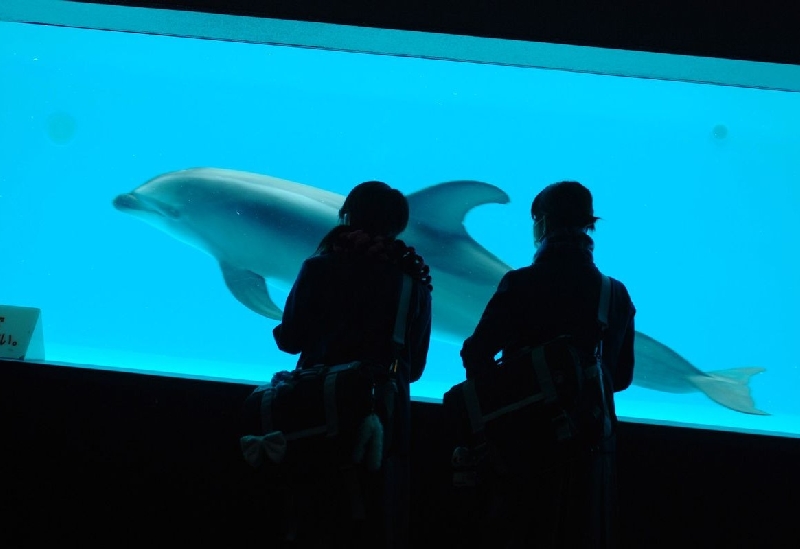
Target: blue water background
698, 187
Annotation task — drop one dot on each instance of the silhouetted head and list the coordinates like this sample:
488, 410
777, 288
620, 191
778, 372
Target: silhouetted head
375, 208
372, 207
562, 205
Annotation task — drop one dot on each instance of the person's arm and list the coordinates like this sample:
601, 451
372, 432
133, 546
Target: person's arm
493, 330
419, 335
292, 334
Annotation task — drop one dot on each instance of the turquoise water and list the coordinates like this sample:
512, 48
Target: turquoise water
697, 186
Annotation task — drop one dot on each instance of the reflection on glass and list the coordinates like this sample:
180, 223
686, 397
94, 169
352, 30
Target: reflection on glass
237, 156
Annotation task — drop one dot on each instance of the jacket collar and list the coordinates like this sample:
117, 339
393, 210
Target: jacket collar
570, 242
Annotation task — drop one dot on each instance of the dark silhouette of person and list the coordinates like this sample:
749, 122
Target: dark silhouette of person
545, 493
341, 308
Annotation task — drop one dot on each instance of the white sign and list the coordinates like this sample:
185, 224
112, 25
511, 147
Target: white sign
21, 335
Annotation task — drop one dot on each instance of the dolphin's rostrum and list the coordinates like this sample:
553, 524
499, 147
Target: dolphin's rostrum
260, 227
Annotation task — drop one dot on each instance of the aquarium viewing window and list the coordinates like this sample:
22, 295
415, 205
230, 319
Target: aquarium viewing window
251, 131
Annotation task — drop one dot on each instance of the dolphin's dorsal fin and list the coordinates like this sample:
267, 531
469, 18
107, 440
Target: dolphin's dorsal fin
251, 291
445, 205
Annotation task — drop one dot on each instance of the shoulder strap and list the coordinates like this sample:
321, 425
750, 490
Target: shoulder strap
603, 305
602, 318
605, 300
399, 336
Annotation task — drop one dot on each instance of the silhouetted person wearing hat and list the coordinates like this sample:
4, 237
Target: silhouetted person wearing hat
543, 492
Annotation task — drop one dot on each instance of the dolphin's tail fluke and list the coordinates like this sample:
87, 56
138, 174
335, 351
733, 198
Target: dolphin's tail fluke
730, 388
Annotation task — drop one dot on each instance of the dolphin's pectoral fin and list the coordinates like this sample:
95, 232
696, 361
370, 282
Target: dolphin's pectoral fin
444, 206
730, 388
251, 290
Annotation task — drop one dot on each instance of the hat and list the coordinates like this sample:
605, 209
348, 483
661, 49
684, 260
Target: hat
566, 204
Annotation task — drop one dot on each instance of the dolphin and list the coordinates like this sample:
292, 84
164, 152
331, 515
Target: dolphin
660, 368
261, 228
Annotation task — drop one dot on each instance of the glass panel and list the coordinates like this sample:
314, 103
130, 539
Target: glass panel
696, 184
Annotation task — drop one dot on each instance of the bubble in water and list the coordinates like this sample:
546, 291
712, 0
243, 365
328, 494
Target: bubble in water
60, 127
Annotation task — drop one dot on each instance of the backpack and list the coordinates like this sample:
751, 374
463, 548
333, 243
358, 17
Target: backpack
536, 406
336, 415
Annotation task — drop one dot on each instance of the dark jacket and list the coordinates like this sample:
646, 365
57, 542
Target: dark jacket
342, 308
557, 295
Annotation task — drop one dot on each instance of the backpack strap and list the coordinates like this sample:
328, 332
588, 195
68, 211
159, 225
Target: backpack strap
399, 336
602, 318
604, 303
